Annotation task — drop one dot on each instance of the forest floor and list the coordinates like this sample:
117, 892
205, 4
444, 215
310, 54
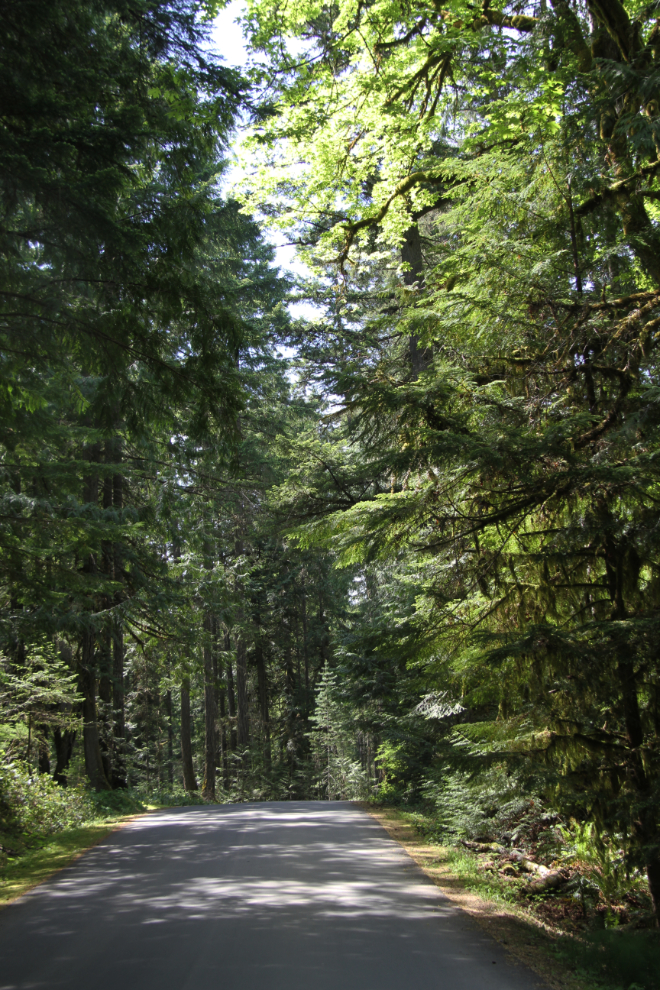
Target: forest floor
564, 960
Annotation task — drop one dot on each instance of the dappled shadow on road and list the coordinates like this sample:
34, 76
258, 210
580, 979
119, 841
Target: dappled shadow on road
238, 860
273, 895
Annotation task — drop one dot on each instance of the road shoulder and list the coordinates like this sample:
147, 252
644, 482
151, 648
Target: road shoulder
525, 938
54, 853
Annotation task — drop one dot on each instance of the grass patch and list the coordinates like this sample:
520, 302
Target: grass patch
466, 867
48, 855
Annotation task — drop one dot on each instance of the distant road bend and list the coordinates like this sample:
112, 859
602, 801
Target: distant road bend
273, 896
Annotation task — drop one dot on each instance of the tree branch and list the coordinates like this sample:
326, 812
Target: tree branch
610, 192
412, 180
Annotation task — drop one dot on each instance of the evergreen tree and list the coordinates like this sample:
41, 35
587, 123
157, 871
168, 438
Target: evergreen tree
338, 775
502, 400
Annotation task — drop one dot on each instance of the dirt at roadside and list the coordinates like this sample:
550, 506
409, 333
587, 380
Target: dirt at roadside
527, 939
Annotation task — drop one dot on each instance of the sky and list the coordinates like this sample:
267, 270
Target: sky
227, 35
227, 41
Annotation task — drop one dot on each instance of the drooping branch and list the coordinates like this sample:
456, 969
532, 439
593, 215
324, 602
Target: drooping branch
622, 302
440, 61
495, 18
383, 46
489, 18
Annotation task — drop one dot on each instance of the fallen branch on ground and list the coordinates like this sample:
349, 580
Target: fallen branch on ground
544, 879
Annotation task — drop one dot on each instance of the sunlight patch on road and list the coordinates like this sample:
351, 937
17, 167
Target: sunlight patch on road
203, 896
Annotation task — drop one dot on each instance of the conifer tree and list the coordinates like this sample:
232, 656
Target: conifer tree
124, 302
338, 774
514, 467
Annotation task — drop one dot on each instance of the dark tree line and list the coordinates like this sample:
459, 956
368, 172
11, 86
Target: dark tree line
139, 311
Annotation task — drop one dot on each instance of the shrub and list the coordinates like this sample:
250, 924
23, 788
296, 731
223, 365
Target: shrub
32, 804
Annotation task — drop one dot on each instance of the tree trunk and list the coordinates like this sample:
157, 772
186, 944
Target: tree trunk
305, 650
91, 745
16, 579
63, 749
219, 688
43, 748
289, 672
262, 684
118, 692
242, 721
106, 727
290, 694
170, 739
325, 637
105, 697
87, 671
645, 825
119, 764
208, 787
638, 228
231, 696
189, 781
653, 874
411, 254
223, 738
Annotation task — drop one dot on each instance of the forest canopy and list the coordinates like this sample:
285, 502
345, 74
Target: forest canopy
408, 547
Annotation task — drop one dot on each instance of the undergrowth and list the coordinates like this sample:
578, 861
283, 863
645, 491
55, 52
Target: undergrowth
590, 938
34, 809
615, 959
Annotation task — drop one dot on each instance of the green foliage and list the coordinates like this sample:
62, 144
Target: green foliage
33, 805
430, 560
40, 693
482, 185
603, 872
493, 806
113, 804
141, 316
337, 774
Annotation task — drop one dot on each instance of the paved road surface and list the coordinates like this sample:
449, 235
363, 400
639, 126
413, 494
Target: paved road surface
274, 896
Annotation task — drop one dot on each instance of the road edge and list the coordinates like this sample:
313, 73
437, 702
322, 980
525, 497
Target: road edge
104, 830
511, 928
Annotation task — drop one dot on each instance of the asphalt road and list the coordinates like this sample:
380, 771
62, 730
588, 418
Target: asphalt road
273, 896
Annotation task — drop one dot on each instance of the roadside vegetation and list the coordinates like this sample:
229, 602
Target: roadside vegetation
43, 826
569, 940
